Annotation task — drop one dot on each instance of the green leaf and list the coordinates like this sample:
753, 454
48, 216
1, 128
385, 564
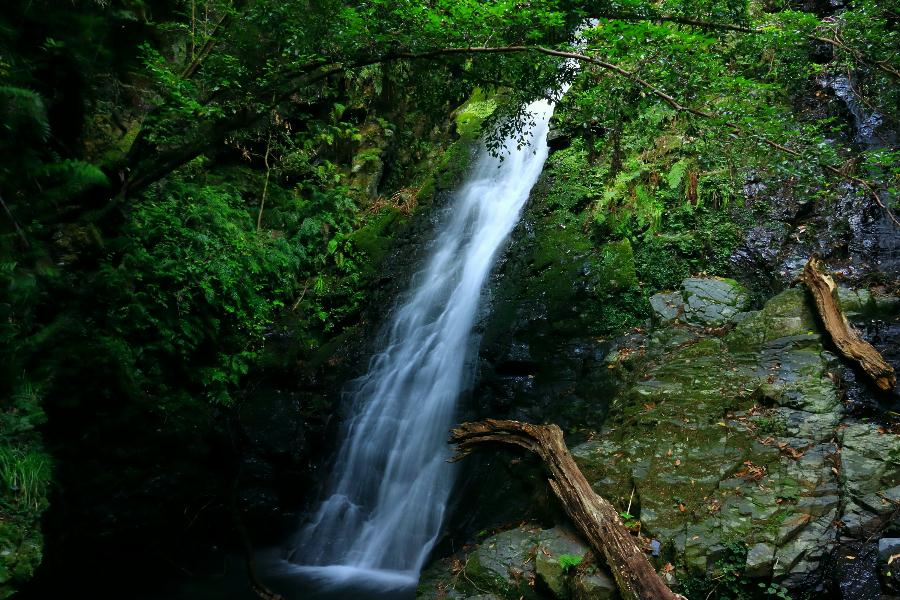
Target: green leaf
676, 174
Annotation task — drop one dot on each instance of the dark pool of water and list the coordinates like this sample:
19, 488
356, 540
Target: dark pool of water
293, 582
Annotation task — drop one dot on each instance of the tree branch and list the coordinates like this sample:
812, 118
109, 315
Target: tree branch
15, 223
881, 65
211, 41
180, 156
847, 340
679, 107
596, 518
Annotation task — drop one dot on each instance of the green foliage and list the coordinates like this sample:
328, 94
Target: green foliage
728, 581
25, 476
624, 310
200, 285
23, 114
628, 519
569, 561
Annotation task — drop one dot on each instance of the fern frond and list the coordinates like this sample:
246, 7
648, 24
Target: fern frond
22, 110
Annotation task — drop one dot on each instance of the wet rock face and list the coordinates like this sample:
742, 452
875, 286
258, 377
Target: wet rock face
740, 450
847, 228
740, 439
888, 565
854, 571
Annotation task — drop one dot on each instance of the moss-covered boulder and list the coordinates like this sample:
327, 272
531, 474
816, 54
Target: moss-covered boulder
870, 463
725, 447
470, 116
524, 562
616, 265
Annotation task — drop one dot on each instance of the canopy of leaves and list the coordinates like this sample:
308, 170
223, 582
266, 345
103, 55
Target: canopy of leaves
180, 175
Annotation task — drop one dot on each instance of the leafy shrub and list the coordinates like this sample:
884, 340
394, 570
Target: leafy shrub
197, 286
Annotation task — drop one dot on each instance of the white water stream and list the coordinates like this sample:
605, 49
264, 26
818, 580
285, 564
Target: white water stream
391, 480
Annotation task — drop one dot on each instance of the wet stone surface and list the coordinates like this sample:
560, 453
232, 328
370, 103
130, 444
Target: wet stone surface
739, 438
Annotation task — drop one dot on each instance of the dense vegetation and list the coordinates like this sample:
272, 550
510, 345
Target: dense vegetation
184, 180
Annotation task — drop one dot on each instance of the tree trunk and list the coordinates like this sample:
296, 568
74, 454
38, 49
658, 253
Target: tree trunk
848, 342
597, 519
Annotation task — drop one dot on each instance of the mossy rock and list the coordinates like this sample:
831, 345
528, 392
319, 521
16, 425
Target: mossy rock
470, 116
684, 445
376, 237
501, 566
525, 562
787, 314
616, 266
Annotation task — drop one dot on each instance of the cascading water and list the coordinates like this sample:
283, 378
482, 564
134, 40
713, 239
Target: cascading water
391, 480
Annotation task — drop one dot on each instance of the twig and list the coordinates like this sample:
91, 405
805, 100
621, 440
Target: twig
262, 200
15, 223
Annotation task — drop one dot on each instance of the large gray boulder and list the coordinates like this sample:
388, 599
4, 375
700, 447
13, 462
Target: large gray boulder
712, 301
702, 301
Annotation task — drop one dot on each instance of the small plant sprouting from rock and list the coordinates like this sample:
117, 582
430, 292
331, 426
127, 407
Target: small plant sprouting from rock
628, 519
774, 590
730, 581
568, 561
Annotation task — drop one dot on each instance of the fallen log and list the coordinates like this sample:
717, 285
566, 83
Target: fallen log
596, 518
847, 340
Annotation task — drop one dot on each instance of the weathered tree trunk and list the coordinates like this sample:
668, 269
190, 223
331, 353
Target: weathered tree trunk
848, 342
597, 519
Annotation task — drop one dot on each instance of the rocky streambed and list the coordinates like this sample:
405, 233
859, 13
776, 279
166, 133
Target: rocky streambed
738, 452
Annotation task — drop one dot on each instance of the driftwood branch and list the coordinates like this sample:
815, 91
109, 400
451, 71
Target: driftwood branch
847, 340
596, 518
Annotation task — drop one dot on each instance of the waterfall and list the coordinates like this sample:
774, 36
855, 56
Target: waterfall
391, 481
